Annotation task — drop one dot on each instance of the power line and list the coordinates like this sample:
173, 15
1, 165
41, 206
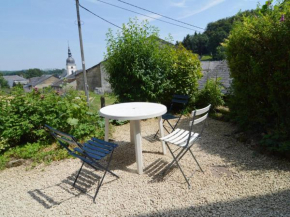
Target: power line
144, 15
99, 16
159, 14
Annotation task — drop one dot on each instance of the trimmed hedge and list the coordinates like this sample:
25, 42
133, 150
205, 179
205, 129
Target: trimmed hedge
258, 53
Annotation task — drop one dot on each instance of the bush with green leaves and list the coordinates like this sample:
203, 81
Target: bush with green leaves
142, 67
23, 116
3, 82
210, 94
259, 60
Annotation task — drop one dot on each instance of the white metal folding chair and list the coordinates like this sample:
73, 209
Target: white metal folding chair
184, 139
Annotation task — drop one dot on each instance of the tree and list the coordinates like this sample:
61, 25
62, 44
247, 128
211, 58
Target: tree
197, 43
216, 32
30, 73
3, 82
142, 67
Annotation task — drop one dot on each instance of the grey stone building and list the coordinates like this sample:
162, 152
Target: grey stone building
96, 78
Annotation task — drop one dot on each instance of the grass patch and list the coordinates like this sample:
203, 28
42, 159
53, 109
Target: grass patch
95, 102
206, 58
221, 113
38, 153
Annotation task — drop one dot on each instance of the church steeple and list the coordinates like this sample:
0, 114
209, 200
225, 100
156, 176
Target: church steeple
70, 64
69, 53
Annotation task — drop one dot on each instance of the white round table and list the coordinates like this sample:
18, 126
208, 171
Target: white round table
134, 111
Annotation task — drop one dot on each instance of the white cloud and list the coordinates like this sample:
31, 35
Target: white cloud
178, 4
210, 4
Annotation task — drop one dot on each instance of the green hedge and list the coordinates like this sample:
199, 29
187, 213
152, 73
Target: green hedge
258, 53
23, 116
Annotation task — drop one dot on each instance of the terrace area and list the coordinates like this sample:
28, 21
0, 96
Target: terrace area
236, 181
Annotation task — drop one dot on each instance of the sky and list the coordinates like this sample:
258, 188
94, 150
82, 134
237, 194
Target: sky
36, 33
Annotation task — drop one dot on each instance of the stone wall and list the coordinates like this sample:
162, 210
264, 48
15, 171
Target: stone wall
93, 78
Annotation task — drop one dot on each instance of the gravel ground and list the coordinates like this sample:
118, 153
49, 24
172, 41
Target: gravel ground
236, 182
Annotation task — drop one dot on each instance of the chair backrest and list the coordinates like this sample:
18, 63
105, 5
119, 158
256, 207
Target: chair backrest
181, 100
204, 112
64, 139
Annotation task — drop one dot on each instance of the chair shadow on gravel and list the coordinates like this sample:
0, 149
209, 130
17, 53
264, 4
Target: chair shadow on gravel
56, 194
216, 141
156, 170
151, 138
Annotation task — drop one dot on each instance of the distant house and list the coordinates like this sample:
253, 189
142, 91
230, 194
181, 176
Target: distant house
15, 79
42, 82
215, 69
68, 82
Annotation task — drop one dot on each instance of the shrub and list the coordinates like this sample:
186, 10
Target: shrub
211, 94
23, 116
259, 59
144, 68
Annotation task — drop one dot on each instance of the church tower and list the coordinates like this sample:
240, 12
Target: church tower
70, 64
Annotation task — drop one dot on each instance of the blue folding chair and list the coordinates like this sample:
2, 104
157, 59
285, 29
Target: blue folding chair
91, 152
177, 102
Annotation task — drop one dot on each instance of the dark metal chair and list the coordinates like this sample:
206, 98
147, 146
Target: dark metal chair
178, 101
91, 152
184, 139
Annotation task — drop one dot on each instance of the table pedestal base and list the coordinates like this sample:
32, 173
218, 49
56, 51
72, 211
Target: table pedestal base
136, 138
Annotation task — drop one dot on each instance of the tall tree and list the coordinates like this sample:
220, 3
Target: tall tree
197, 43
30, 73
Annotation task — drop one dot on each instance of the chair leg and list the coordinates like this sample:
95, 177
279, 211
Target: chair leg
171, 126
193, 158
78, 174
158, 130
176, 161
173, 161
196, 160
101, 182
99, 165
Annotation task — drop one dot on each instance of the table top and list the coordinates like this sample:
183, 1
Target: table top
133, 111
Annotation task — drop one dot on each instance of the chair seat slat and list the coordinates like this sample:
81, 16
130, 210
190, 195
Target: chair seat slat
176, 133
94, 148
175, 137
105, 143
192, 139
101, 146
90, 151
82, 158
181, 138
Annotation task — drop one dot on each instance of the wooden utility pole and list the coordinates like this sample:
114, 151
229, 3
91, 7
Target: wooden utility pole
82, 52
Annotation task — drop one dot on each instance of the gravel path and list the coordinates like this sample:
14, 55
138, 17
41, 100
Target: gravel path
236, 182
